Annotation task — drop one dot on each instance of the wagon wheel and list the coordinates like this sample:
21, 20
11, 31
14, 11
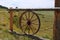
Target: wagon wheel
29, 22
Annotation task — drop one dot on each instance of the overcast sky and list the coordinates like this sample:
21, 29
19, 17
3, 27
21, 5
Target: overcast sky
28, 3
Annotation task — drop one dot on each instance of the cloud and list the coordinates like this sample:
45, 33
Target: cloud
28, 3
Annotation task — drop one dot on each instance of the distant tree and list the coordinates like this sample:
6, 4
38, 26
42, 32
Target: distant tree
16, 7
3, 7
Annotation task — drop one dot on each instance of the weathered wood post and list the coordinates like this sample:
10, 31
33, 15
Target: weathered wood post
11, 19
57, 21
57, 25
57, 3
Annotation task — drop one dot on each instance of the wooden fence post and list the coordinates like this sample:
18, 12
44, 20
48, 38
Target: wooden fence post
57, 21
57, 25
11, 19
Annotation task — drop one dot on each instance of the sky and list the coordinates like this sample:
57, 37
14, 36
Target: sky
28, 3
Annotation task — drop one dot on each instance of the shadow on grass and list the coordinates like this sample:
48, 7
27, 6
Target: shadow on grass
26, 35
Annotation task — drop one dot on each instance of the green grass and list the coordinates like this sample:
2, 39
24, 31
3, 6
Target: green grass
46, 30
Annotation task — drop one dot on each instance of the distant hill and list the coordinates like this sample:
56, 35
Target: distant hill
3, 7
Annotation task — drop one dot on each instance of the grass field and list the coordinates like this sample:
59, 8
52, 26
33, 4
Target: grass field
46, 28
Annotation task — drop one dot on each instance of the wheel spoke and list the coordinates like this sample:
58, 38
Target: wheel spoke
34, 24
25, 28
23, 19
28, 30
32, 16
34, 20
23, 22
28, 15
31, 29
23, 25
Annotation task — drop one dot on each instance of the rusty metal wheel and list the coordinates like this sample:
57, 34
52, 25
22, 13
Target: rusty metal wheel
29, 22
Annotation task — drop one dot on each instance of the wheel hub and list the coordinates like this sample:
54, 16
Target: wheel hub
29, 22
